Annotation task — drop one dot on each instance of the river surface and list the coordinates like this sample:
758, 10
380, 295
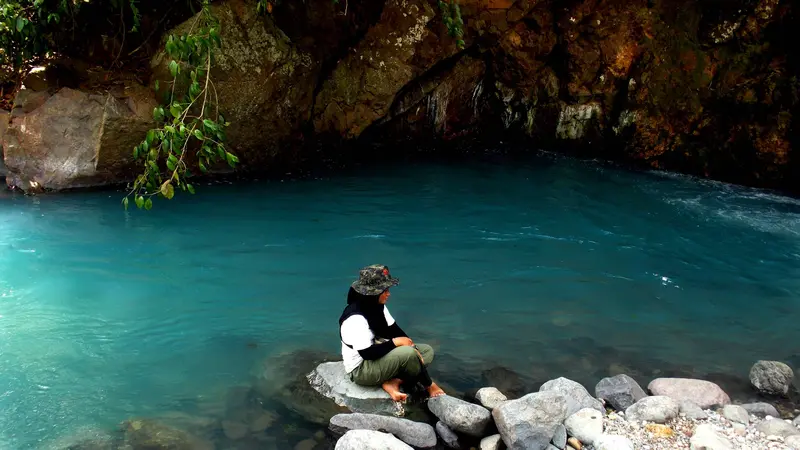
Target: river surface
545, 267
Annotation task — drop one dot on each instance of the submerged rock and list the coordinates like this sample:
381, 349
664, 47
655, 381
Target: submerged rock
576, 396
657, 409
370, 440
490, 397
586, 425
88, 438
447, 435
704, 393
417, 434
706, 438
771, 377
461, 416
531, 421
144, 434
620, 391
761, 409
331, 380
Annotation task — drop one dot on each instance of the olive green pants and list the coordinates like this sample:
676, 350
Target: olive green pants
402, 362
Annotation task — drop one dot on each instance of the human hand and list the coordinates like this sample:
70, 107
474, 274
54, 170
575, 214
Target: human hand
402, 341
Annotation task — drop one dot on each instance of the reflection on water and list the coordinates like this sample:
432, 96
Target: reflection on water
204, 312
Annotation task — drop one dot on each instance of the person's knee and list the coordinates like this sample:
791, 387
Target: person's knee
427, 353
405, 353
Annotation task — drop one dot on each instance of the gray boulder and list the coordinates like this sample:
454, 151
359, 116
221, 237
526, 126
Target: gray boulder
370, 440
771, 377
531, 421
692, 411
761, 409
575, 394
705, 393
461, 416
586, 425
331, 380
736, 413
415, 434
490, 397
778, 427
656, 409
560, 437
493, 442
613, 442
620, 391
706, 438
447, 435
793, 442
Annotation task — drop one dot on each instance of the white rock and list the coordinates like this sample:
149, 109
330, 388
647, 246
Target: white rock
370, 440
613, 442
586, 425
491, 443
736, 413
706, 438
656, 408
793, 442
331, 380
777, 428
490, 397
704, 393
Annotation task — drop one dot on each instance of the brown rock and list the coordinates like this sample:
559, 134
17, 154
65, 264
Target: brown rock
659, 430
75, 139
574, 443
263, 82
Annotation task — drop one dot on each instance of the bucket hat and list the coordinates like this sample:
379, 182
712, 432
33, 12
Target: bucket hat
373, 280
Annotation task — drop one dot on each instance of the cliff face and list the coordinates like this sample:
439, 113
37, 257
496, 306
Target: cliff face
704, 87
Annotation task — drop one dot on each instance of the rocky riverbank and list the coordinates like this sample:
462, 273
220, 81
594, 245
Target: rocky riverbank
298, 403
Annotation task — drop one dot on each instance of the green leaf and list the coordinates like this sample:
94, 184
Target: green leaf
232, 159
148, 204
202, 166
175, 110
136, 152
20, 23
125, 202
151, 135
198, 134
170, 165
221, 151
190, 188
173, 68
156, 85
139, 202
167, 190
158, 114
210, 125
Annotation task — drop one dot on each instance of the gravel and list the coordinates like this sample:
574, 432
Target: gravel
649, 436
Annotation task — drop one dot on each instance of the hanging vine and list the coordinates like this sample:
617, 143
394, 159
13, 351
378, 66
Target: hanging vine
190, 123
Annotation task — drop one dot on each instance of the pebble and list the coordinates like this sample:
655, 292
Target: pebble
650, 436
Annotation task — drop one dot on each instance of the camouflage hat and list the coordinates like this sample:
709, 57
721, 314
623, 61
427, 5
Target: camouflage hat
373, 280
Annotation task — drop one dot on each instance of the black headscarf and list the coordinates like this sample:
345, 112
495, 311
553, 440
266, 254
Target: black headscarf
368, 306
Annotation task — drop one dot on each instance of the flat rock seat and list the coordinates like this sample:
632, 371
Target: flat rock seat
331, 380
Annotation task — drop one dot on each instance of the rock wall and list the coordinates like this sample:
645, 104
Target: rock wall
704, 87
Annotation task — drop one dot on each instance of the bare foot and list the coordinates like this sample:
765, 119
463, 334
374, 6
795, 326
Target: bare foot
434, 390
392, 387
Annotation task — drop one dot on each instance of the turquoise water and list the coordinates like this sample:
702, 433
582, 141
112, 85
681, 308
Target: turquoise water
547, 267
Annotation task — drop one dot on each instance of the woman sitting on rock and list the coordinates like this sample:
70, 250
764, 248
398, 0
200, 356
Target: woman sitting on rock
374, 348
